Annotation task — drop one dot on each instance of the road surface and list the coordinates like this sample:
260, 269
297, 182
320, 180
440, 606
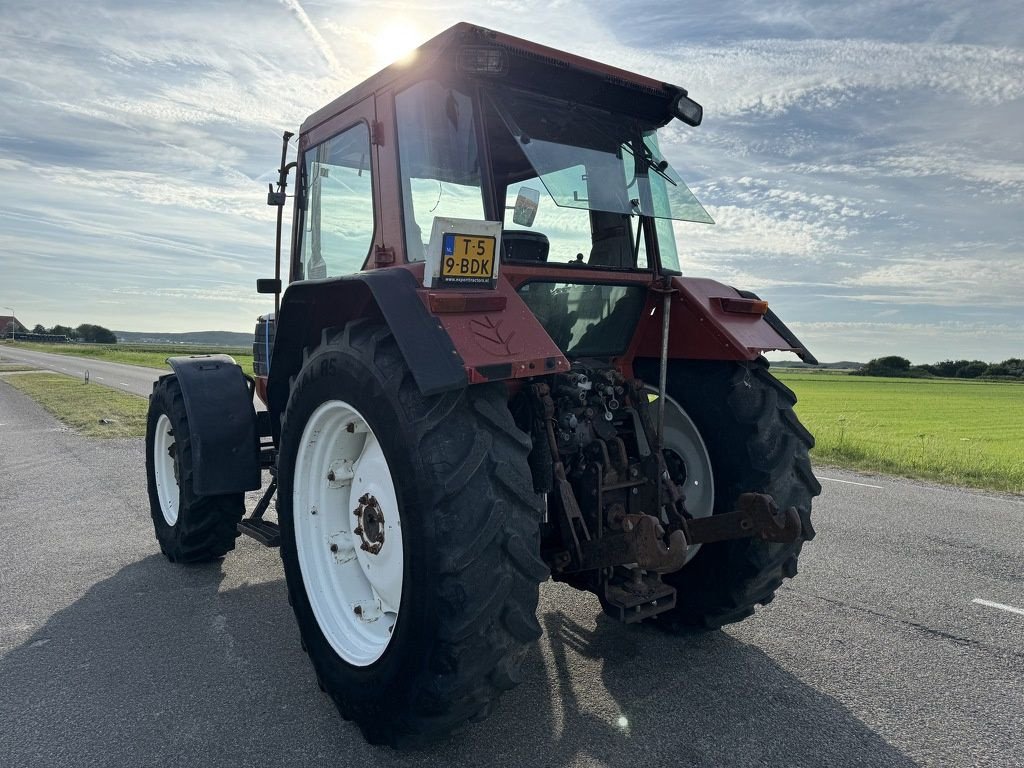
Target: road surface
901, 642
130, 378
127, 378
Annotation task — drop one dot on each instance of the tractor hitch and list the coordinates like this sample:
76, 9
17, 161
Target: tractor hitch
641, 541
756, 514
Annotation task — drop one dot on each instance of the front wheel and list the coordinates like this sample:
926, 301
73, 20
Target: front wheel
410, 539
190, 528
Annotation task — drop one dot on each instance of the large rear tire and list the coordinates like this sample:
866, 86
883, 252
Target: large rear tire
189, 528
446, 578
756, 443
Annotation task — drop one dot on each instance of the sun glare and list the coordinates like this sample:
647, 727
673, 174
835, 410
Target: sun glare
396, 44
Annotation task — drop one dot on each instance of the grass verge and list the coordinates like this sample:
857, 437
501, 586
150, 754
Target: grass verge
960, 432
91, 409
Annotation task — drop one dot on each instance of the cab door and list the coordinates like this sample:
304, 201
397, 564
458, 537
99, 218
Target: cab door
337, 228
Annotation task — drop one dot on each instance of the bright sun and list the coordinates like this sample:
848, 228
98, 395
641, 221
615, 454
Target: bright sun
396, 43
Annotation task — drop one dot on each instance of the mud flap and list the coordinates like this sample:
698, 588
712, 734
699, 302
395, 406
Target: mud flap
221, 423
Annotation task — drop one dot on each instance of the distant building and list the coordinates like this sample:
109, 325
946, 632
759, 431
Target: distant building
12, 328
10, 325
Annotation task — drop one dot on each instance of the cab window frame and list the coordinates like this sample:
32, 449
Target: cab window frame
302, 194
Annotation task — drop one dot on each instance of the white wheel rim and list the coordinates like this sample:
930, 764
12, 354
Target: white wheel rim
354, 591
682, 437
166, 473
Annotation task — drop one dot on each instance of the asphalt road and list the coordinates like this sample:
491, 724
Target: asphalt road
130, 378
875, 655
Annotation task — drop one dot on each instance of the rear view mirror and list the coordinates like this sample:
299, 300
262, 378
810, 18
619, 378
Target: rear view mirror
526, 207
268, 285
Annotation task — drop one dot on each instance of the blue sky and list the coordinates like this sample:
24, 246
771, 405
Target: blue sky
864, 162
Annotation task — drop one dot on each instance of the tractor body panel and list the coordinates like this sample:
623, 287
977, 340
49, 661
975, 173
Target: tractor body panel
704, 329
503, 340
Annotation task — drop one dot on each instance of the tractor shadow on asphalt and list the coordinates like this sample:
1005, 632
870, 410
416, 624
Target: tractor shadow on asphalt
161, 664
701, 699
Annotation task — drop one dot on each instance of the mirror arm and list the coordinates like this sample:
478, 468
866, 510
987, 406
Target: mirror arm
279, 200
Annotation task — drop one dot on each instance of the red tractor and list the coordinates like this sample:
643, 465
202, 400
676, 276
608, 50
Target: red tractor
487, 370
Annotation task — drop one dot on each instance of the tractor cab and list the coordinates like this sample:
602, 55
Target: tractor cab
561, 154
508, 180
475, 117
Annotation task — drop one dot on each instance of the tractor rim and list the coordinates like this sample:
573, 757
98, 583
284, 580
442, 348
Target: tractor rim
166, 471
348, 532
683, 439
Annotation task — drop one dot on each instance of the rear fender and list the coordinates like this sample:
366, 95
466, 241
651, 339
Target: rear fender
702, 329
390, 295
221, 423
449, 339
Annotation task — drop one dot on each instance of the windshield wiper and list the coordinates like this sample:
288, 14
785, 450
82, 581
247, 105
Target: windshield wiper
658, 166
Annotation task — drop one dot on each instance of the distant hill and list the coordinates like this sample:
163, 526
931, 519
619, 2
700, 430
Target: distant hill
842, 364
205, 338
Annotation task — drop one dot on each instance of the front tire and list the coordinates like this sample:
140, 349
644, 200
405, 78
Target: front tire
446, 579
756, 443
189, 528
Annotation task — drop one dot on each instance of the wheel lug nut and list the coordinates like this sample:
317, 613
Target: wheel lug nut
330, 475
358, 531
358, 610
334, 547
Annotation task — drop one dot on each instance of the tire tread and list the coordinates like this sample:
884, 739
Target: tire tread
486, 515
756, 443
207, 526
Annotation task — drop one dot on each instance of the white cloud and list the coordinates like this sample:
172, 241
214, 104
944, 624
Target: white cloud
943, 280
847, 174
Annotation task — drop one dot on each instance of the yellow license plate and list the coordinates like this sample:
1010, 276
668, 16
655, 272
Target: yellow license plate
468, 257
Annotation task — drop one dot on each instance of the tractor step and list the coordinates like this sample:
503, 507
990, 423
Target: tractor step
265, 532
638, 598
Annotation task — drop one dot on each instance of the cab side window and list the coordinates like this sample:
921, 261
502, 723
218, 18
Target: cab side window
338, 194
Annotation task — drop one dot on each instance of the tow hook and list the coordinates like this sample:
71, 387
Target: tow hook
756, 514
641, 541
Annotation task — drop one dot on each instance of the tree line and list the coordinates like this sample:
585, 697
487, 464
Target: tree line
900, 367
86, 332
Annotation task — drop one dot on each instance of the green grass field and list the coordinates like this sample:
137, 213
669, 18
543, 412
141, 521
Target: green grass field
955, 431
961, 432
147, 355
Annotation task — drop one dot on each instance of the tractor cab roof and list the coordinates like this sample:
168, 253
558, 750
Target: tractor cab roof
469, 52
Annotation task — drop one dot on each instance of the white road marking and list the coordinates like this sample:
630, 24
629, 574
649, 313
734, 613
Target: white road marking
850, 482
98, 378
1000, 606
123, 384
